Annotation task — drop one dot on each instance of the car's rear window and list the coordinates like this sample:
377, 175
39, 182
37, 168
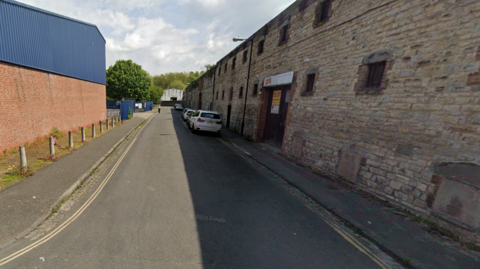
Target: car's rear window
210, 116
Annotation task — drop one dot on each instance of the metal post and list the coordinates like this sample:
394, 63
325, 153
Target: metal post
83, 134
52, 147
246, 88
23, 158
93, 130
70, 140
101, 127
108, 125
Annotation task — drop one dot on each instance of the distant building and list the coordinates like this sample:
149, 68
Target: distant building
52, 73
172, 95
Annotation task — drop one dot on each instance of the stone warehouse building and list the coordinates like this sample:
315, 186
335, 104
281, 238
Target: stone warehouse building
52, 73
382, 94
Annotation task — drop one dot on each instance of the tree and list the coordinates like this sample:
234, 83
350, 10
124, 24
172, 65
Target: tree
127, 79
155, 93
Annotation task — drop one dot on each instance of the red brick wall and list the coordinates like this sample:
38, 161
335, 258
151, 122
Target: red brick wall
33, 102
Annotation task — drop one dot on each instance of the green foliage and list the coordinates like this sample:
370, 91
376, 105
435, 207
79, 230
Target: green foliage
127, 79
176, 80
155, 94
130, 114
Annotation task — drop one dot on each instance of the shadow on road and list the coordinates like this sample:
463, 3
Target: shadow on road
245, 220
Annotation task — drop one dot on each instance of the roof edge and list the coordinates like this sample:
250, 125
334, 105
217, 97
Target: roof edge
53, 14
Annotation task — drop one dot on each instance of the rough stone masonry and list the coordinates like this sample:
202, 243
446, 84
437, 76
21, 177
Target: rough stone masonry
408, 132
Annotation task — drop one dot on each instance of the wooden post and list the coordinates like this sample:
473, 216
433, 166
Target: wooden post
101, 127
93, 130
83, 134
108, 124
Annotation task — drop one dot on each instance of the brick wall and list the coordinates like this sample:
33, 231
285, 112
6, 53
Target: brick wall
33, 102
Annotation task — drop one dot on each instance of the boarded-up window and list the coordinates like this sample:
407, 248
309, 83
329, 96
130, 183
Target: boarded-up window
375, 74
260, 46
322, 12
310, 82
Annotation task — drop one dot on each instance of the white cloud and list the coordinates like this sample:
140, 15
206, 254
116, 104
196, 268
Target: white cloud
169, 36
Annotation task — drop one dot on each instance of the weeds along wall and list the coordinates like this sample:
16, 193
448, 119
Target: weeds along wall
33, 102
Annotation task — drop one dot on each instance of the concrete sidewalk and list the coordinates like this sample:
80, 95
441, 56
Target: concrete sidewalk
30, 201
401, 237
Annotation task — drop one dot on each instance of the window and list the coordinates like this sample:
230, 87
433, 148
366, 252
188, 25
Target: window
226, 65
217, 96
310, 83
375, 74
322, 12
284, 34
303, 5
233, 62
245, 55
255, 89
260, 47
223, 95
240, 93
219, 70
210, 116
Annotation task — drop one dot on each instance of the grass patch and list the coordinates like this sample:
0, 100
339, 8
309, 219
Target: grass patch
38, 153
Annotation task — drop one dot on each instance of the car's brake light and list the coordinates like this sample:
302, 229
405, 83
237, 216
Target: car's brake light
219, 122
200, 120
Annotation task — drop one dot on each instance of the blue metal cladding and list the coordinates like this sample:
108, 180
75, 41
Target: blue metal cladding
50, 42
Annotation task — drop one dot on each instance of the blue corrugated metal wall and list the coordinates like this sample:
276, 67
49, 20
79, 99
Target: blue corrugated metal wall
126, 107
38, 39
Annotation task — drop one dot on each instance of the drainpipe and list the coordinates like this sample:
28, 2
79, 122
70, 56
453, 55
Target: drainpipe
246, 88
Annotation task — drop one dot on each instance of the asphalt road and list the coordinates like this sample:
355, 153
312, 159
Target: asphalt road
179, 200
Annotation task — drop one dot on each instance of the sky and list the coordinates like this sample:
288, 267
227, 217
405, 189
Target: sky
169, 36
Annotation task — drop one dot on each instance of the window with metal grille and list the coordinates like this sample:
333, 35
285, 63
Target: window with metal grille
245, 55
322, 12
255, 89
310, 82
240, 93
284, 34
233, 62
260, 46
375, 74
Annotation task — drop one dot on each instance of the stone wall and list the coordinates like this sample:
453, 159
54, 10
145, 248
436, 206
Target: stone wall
387, 140
33, 102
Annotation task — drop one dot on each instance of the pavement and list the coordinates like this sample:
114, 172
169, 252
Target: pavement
30, 201
394, 233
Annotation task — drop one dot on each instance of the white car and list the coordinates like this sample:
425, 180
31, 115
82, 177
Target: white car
186, 113
203, 120
178, 107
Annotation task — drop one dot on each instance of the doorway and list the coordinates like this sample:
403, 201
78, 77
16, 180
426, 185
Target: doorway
276, 117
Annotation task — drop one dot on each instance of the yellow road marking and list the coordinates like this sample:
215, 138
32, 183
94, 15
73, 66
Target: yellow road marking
74, 216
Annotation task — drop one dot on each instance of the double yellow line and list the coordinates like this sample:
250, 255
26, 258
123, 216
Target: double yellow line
354, 241
74, 216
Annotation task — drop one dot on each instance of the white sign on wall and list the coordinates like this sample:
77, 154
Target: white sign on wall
281, 79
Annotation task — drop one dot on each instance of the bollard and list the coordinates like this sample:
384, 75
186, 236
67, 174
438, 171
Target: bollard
83, 134
113, 121
52, 147
159, 110
119, 120
108, 125
101, 127
70, 140
93, 130
23, 159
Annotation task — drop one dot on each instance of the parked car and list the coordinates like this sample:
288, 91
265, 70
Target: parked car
203, 120
178, 107
186, 113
